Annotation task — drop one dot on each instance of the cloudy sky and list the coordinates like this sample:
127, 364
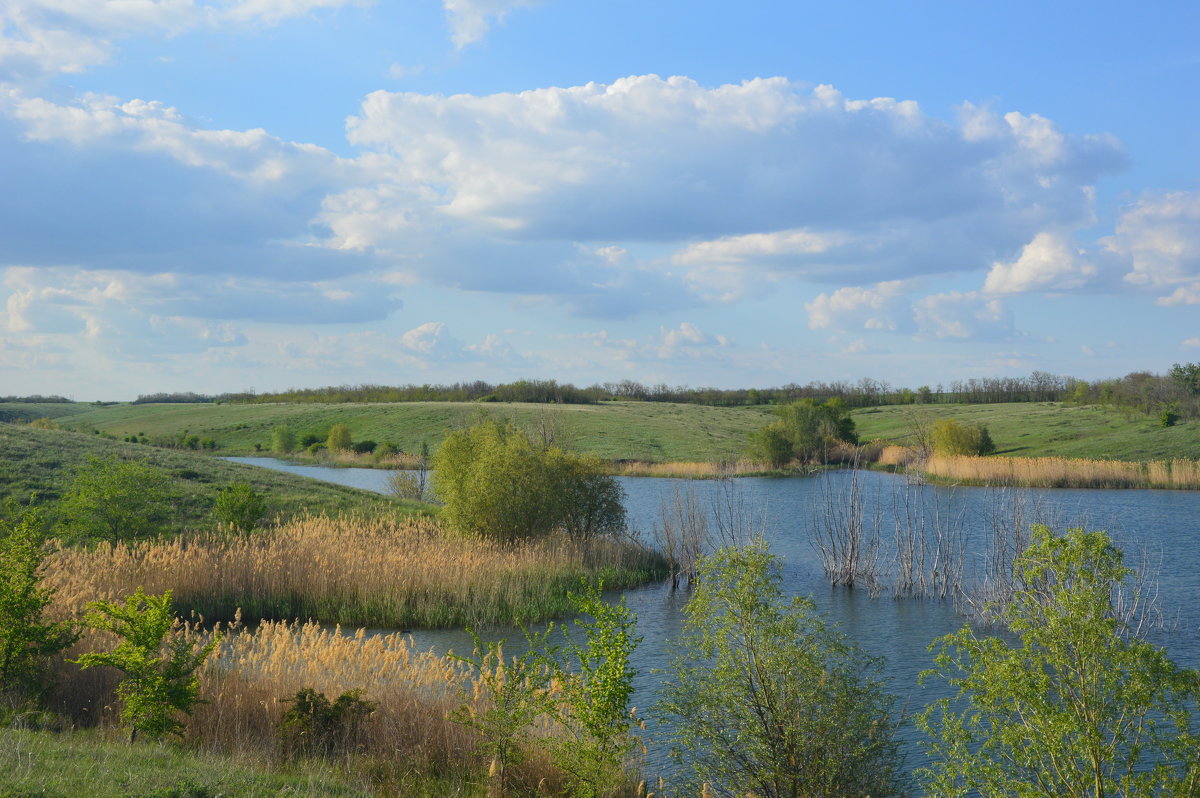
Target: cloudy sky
217, 195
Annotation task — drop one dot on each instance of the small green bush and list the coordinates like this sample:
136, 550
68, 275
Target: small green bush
339, 438
951, 437
158, 658
315, 726
283, 439
239, 506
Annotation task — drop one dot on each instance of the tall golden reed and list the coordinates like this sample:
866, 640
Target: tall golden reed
247, 683
688, 470
1062, 472
351, 570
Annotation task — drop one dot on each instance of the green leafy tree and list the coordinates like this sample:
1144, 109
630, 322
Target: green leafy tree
808, 427
1077, 705
771, 445
283, 439
589, 501
159, 660
27, 639
495, 482
764, 698
596, 682
239, 506
339, 438
116, 500
1187, 377
951, 437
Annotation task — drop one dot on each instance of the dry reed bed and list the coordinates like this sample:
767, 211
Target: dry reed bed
246, 684
1061, 472
353, 571
688, 470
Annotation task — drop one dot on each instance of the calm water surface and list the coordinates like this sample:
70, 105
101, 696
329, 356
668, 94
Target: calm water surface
1164, 526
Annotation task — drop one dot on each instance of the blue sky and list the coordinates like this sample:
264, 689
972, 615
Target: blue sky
237, 194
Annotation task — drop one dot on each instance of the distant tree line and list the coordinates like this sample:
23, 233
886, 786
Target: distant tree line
37, 398
1177, 392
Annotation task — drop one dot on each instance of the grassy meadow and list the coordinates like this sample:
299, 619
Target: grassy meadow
646, 431
1045, 429
39, 461
101, 765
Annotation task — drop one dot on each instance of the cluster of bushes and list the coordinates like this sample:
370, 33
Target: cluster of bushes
284, 440
951, 437
806, 431
497, 481
112, 500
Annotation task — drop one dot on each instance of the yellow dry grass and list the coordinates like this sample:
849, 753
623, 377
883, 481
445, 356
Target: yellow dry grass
897, 456
247, 683
350, 570
689, 470
1062, 472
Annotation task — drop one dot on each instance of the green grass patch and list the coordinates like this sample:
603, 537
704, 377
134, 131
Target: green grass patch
1046, 429
650, 431
36, 461
89, 763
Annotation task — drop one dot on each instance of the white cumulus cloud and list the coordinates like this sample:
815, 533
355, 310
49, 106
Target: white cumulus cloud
958, 315
1047, 263
470, 20
1160, 237
883, 307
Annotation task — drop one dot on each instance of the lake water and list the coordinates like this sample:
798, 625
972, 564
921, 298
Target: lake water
1160, 527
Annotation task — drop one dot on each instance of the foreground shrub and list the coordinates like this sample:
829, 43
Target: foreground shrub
1078, 705
158, 658
763, 698
27, 638
315, 726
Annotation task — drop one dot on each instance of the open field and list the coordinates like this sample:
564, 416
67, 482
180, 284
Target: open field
41, 461
647, 431
640, 431
1046, 429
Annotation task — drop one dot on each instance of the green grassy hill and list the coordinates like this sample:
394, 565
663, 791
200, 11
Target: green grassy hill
41, 461
1045, 429
650, 431
611, 430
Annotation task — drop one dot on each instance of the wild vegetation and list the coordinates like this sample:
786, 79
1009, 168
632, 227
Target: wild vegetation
763, 698
1059, 472
353, 570
501, 483
805, 708
1079, 706
42, 466
806, 431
